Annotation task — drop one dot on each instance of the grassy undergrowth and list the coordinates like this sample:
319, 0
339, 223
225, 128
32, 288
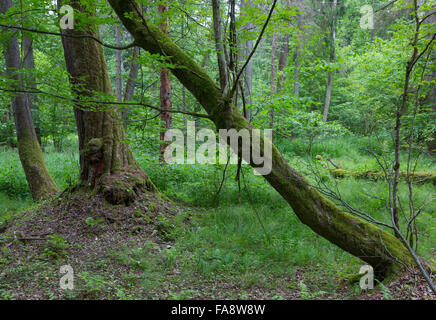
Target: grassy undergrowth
250, 239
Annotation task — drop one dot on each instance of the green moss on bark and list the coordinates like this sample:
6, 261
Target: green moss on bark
106, 162
40, 182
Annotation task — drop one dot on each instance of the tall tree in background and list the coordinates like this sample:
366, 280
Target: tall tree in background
129, 90
351, 233
273, 76
38, 178
283, 60
222, 59
29, 65
298, 49
430, 76
119, 63
165, 84
283, 55
106, 162
332, 42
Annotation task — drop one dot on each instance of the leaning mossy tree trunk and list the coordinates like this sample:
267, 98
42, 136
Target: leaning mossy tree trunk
106, 162
418, 177
354, 235
38, 178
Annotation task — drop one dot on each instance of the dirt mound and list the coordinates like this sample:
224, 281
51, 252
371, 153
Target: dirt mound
83, 231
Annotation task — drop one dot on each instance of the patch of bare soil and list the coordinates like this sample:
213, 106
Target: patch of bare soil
81, 230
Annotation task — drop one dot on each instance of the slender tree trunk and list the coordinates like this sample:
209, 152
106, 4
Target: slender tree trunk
220, 48
29, 63
183, 88
165, 87
328, 96
133, 75
332, 59
131, 83
8, 117
352, 234
297, 71
430, 99
223, 67
106, 162
248, 73
38, 178
298, 57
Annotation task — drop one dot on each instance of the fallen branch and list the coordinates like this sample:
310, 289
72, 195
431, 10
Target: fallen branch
417, 177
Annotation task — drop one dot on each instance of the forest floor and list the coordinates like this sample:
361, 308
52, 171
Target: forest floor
119, 252
245, 246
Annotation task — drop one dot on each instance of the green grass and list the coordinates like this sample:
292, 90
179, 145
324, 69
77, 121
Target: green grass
9, 206
244, 238
63, 167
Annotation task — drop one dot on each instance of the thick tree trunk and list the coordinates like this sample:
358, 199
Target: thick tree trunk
165, 87
352, 234
106, 162
40, 182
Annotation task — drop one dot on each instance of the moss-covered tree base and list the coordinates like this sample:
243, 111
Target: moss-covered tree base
123, 187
